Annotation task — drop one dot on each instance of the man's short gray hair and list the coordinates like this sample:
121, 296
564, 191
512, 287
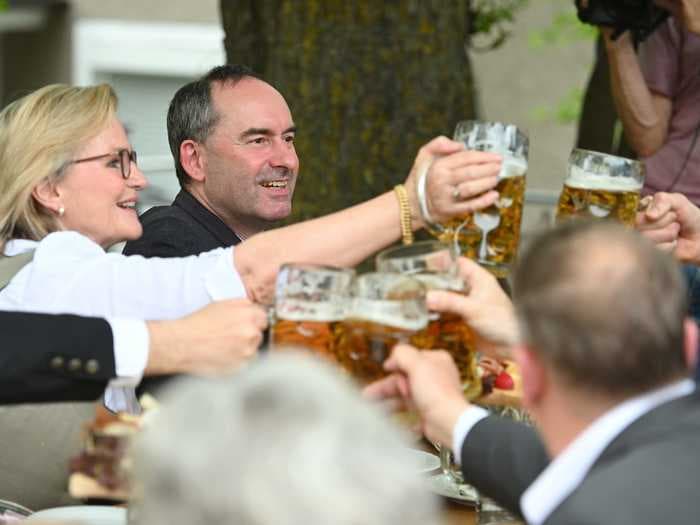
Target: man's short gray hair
191, 114
285, 442
604, 306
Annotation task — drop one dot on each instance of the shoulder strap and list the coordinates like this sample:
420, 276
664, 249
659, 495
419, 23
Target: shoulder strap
10, 266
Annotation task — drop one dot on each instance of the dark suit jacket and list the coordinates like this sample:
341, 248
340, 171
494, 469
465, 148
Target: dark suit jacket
181, 229
53, 357
648, 474
44, 359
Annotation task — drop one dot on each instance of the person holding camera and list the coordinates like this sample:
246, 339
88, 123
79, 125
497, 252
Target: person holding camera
657, 96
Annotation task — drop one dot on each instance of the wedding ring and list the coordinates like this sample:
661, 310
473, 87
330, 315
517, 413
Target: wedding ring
456, 195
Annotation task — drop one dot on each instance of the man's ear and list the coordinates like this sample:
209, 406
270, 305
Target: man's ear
533, 373
192, 158
48, 195
690, 342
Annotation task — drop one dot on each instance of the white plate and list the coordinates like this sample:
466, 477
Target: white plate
82, 515
446, 487
422, 462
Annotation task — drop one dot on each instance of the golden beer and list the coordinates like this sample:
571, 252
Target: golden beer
364, 345
386, 308
593, 203
449, 332
310, 300
318, 337
433, 264
491, 236
601, 186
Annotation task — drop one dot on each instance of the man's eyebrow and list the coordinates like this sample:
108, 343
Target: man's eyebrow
255, 131
265, 131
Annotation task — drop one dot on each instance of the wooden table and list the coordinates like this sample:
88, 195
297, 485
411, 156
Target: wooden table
456, 514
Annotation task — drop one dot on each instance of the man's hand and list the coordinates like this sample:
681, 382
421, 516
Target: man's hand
672, 222
216, 339
427, 380
459, 181
485, 308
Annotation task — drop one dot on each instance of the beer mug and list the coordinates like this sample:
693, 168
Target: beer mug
386, 309
310, 301
601, 186
491, 236
433, 264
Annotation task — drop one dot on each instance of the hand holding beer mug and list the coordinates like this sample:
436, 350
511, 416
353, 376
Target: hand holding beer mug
310, 301
601, 186
433, 264
386, 309
491, 235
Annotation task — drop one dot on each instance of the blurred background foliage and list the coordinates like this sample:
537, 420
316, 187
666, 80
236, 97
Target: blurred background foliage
564, 29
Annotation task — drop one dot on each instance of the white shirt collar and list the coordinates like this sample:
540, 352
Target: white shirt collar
16, 246
566, 472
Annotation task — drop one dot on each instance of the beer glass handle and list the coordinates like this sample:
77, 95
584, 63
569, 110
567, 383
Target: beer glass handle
423, 197
267, 333
271, 314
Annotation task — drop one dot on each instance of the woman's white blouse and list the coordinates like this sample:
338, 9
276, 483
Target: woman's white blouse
72, 274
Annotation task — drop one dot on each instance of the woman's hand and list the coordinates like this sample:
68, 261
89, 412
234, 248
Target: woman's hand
459, 181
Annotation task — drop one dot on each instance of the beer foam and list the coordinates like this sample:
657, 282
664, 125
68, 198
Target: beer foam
297, 310
586, 180
390, 313
512, 167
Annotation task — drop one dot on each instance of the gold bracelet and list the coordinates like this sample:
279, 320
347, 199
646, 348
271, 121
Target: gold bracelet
404, 214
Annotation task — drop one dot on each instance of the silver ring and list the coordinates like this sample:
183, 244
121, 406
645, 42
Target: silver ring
456, 194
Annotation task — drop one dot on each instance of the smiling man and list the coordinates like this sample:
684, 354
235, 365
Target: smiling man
232, 138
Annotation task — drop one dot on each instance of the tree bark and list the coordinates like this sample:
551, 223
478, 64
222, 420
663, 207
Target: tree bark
368, 83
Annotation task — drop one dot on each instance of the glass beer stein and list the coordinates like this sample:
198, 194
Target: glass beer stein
386, 309
491, 236
432, 263
310, 301
601, 186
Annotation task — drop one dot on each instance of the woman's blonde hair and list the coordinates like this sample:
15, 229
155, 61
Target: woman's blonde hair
39, 134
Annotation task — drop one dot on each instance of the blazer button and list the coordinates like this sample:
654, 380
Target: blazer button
92, 366
57, 362
75, 364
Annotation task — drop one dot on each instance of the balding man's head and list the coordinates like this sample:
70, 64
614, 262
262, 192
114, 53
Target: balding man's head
604, 307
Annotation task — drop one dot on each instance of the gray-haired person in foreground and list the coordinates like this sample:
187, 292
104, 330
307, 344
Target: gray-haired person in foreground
287, 441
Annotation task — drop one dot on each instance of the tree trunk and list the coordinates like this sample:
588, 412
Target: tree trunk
368, 83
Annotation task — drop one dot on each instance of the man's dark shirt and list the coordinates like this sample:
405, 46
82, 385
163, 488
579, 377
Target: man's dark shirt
184, 228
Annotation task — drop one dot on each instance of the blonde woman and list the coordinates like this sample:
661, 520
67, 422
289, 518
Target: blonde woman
69, 184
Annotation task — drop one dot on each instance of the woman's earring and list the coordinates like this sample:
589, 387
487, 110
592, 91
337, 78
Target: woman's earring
61, 211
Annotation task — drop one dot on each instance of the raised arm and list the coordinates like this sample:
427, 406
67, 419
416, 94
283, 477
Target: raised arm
347, 237
645, 114
217, 339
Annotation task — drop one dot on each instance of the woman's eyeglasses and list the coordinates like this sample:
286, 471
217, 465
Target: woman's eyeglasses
125, 157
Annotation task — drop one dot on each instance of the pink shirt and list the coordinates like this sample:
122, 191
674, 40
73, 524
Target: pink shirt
670, 60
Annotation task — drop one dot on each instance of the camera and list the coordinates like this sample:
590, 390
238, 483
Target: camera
639, 17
